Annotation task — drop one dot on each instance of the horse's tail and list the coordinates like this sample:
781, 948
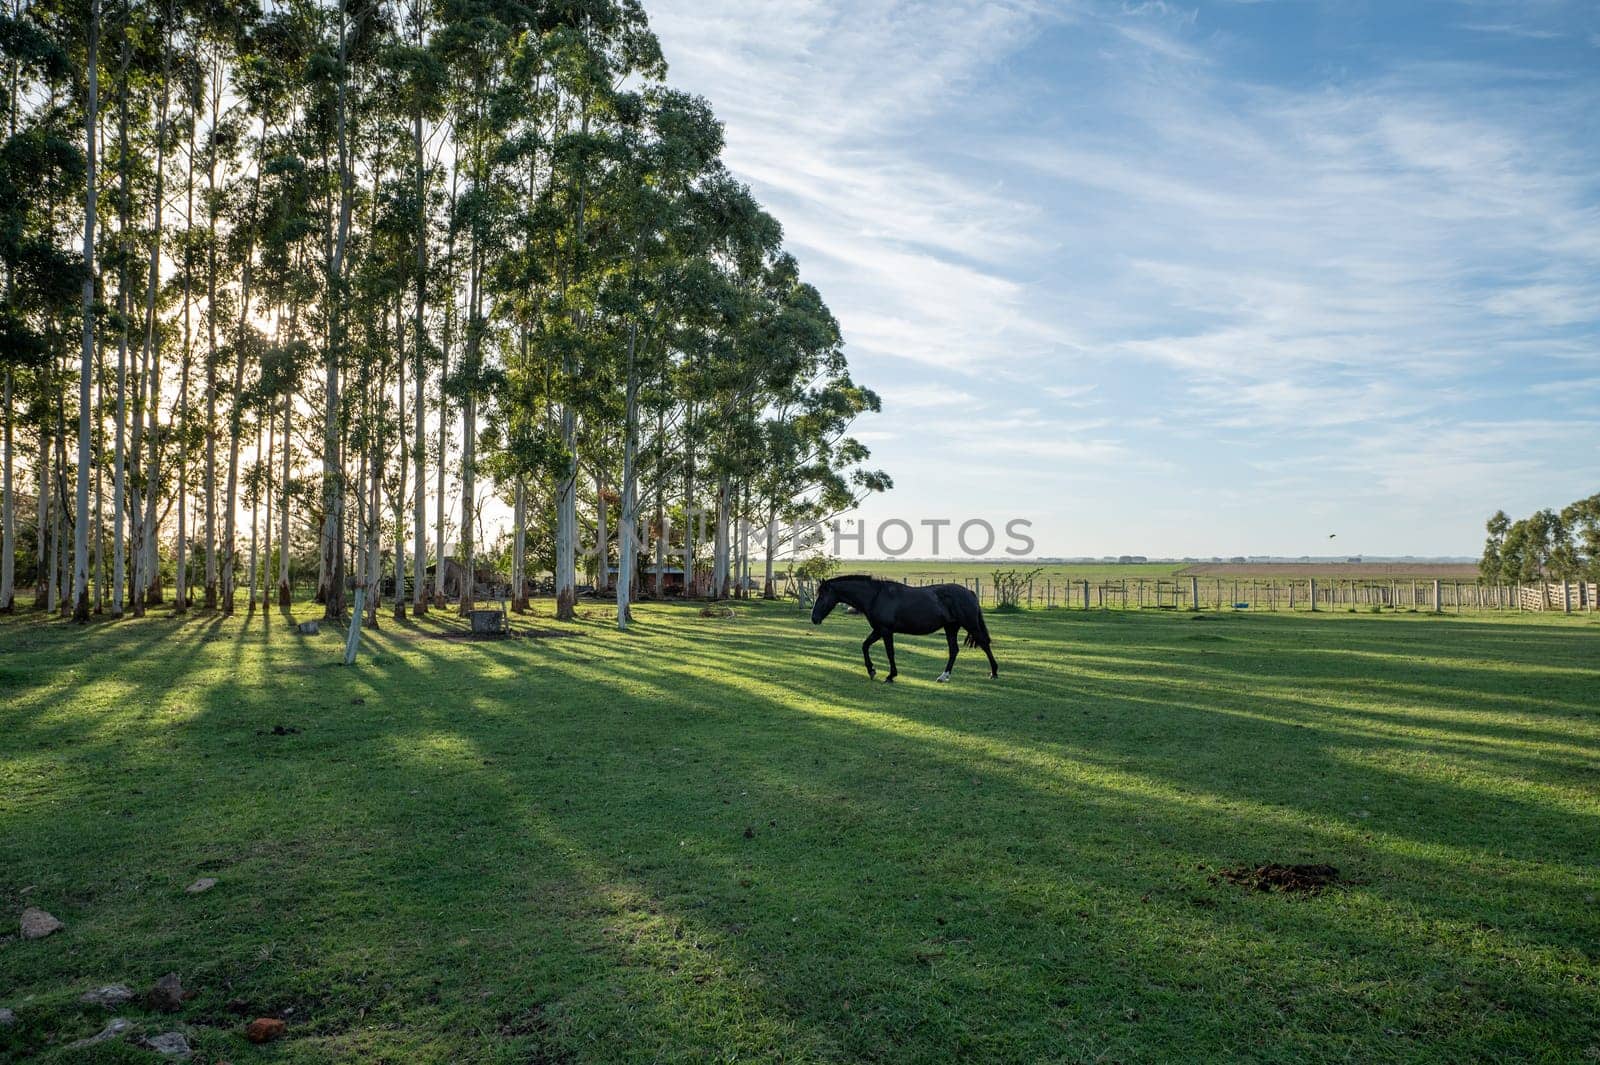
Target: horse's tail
977, 631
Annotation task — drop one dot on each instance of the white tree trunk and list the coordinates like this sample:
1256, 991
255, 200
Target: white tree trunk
80, 554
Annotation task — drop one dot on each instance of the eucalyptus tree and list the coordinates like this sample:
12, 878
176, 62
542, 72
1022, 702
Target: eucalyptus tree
41, 284
422, 81
475, 42
670, 142
594, 47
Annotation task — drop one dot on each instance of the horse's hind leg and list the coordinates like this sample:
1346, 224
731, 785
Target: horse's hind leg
888, 647
950, 635
994, 667
866, 652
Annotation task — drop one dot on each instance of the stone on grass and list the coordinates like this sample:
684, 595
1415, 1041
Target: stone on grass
111, 1031
36, 924
7, 1018
205, 883
308, 628
110, 996
171, 1043
166, 995
264, 1029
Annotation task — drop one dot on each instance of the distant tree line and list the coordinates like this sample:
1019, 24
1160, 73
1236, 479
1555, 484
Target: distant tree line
1559, 545
301, 284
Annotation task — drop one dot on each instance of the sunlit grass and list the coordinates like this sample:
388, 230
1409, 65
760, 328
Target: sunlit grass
713, 839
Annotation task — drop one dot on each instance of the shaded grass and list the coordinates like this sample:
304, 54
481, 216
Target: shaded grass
712, 839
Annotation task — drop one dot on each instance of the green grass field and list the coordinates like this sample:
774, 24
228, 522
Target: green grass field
714, 840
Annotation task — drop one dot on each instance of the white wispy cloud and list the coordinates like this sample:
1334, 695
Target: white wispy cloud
1087, 206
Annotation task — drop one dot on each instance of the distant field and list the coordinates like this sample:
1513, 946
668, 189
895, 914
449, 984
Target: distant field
958, 570
1109, 571
1451, 571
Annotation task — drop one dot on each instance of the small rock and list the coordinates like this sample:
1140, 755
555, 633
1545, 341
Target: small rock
172, 1043
166, 996
205, 883
36, 924
115, 1028
264, 1029
308, 628
111, 996
7, 1018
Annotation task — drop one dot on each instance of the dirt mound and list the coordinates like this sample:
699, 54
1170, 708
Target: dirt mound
1293, 879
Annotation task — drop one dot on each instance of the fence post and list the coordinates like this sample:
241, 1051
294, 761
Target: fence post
1194, 592
1086, 593
1313, 595
1438, 597
1566, 595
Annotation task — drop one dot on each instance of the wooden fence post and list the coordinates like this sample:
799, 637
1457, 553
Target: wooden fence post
1194, 593
1313, 595
1438, 597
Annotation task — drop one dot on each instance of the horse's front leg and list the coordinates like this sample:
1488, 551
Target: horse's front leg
888, 647
866, 652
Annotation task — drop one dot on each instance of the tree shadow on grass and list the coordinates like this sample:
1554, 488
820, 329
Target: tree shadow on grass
564, 827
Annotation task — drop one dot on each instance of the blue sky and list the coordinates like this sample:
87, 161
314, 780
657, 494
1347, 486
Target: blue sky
1190, 279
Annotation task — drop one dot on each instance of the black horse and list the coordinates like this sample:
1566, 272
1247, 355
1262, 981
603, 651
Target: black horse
893, 607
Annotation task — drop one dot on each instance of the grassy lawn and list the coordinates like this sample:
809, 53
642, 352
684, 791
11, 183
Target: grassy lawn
714, 840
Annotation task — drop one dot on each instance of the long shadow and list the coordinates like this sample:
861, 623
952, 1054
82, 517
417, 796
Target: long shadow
945, 869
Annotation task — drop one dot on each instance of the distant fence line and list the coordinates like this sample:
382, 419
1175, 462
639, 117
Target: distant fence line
1303, 594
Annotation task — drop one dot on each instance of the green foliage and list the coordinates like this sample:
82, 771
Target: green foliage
817, 568
1010, 585
1549, 544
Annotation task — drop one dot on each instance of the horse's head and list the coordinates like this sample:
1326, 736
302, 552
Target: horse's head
827, 599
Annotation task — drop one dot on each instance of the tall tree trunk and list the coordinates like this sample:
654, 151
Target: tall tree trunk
285, 599
567, 499
519, 547
372, 573
663, 535
181, 563
444, 377
419, 346
628, 525
119, 482
719, 556
53, 575
469, 430
8, 514
602, 532
400, 435
41, 575
255, 512
236, 408
264, 480
332, 477
80, 554
691, 526
212, 205
149, 588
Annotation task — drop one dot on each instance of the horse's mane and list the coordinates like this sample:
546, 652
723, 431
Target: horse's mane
850, 577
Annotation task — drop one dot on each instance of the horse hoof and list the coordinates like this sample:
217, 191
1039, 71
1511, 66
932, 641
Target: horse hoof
943, 678
888, 680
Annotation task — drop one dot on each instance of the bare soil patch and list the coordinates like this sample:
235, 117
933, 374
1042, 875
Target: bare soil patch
1291, 879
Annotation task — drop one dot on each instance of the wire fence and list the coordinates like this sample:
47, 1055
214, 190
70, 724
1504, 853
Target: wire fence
1309, 594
